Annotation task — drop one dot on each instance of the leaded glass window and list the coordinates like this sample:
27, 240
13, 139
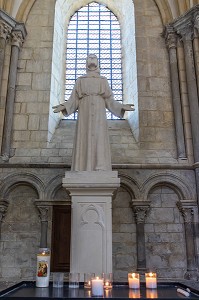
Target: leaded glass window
94, 29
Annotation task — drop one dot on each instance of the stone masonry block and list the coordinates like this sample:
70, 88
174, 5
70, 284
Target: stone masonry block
175, 227
39, 136
161, 215
20, 122
26, 53
26, 96
33, 122
121, 237
160, 227
41, 81
37, 108
40, 20
10, 272
24, 79
21, 135
34, 66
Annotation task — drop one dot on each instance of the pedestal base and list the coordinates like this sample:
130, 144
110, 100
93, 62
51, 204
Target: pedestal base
91, 233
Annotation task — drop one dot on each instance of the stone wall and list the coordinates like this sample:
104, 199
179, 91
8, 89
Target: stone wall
165, 241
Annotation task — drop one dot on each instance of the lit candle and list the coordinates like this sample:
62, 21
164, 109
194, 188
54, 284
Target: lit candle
97, 286
43, 268
151, 280
134, 280
108, 279
87, 279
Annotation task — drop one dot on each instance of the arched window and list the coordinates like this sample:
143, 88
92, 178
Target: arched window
94, 29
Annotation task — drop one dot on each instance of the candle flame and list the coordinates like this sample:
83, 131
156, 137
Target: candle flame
151, 274
133, 275
97, 277
107, 283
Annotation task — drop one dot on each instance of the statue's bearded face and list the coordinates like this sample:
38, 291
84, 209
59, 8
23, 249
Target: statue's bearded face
92, 62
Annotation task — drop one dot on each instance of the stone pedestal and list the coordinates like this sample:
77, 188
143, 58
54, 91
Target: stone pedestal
91, 228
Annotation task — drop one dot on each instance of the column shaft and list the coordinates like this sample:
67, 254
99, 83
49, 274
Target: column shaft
5, 30
2, 55
175, 87
10, 102
193, 95
141, 252
44, 230
140, 209
187, 214
17, 40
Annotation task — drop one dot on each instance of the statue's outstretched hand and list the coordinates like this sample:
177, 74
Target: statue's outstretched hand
128, 107
58, 108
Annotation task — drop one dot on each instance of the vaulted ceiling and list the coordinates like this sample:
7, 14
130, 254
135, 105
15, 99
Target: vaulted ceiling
169, 9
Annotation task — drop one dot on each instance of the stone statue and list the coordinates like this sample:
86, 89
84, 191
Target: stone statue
91, 96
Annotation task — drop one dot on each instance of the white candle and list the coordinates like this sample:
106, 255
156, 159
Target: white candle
134, 281
97, 286
151, 280
43, 269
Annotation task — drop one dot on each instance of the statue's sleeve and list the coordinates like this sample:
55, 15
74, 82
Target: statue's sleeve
71, 105
114, 106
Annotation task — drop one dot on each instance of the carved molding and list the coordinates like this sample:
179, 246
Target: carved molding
5, 30
100, 218
3, 209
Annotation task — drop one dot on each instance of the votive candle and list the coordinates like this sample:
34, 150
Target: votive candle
97, 286
134, 280
151, 280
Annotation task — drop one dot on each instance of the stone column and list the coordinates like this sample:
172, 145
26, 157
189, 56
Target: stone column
196, 46
187, 213
17, 39
44, 217
187, 36
5, 31
3, 209
171, 41
140, 209
7, 23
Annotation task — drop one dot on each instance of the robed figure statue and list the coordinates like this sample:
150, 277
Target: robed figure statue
91, 96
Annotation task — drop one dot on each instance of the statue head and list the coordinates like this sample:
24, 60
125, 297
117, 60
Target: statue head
92, 63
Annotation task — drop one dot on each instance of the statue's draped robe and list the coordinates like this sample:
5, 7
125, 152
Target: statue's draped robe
91, 96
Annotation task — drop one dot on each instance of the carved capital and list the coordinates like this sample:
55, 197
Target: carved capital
3, 209
17, 39
186, 212
43, 213
171, 40
5, 30
196, 22
140, 211
170, 37
186, 32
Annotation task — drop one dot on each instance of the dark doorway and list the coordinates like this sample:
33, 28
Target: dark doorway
61, 233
